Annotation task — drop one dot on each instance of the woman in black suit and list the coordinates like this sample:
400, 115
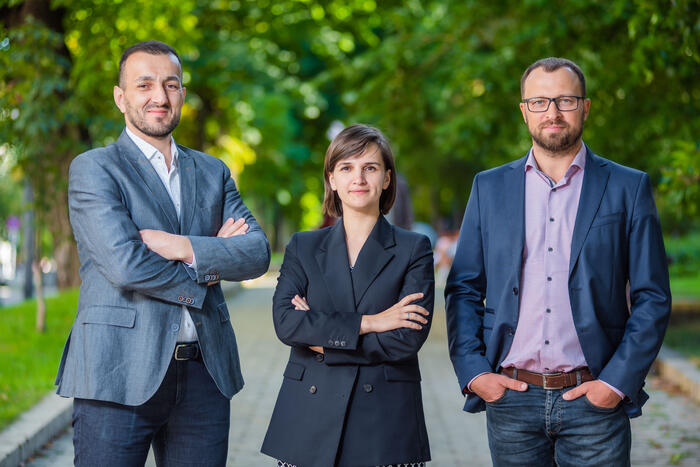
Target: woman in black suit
354, 303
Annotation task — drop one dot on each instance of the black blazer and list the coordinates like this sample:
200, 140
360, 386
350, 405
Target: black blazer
360, 403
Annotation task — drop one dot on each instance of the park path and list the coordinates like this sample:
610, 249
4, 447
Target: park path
668, 433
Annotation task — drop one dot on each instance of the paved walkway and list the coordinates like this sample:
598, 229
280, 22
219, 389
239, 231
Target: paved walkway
668, 433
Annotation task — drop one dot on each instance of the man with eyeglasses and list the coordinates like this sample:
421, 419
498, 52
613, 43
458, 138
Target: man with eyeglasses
558, 297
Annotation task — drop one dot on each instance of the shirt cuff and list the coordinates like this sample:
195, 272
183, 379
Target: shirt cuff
468, 389
193, 264
617, 391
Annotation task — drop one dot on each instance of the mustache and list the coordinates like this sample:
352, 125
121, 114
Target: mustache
558, 121
154, 106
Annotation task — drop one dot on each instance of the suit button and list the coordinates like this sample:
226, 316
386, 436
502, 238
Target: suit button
367, 387
330, 341
337, 343
342, 343
179, 298
189, 300
510, 332
207, 277
319, 357
312, 389
515, 291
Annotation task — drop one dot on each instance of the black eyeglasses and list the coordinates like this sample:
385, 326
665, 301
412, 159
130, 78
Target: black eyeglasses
541, 104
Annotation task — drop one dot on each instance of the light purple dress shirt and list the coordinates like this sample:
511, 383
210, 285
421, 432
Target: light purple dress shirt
545, 338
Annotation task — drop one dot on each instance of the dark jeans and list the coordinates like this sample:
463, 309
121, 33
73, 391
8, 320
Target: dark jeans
539, 428
186, 420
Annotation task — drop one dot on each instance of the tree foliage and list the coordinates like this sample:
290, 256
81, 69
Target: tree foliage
266, 79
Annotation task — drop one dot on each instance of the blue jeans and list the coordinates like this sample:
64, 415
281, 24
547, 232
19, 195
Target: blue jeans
539, 428
186, 421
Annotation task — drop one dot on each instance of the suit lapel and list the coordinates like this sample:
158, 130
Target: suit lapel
513, 210
332, 259
373, 257
595, 179
150, 179
188, 189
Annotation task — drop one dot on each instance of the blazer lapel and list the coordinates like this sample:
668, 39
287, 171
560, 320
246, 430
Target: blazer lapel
595, 179
188, 189
332, 259
150, 179
373, 257
513, 211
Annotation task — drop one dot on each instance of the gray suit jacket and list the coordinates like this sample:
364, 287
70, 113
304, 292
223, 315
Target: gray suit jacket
130, 301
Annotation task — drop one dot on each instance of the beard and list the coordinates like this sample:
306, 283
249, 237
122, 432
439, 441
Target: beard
162, 128
558, 142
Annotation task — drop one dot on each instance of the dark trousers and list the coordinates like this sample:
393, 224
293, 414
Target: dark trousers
538, 428
186, 421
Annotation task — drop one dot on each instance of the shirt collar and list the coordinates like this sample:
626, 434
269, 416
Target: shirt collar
149, 150
578, 162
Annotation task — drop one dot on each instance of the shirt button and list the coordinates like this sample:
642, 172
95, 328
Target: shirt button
554, 189
549, 279
175, 327
367, 387
548, 310
550, 249
551, 219
515, 291
546, 342
312, 389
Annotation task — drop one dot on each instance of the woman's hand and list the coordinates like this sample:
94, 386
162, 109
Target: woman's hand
401, 315
301, 304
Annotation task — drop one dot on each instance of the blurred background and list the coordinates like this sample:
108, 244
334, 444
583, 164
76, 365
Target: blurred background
270, 82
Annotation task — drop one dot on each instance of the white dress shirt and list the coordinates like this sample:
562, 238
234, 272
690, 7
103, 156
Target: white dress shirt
171, 181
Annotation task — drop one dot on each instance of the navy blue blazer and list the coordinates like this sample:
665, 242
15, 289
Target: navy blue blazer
617, 238
359, 403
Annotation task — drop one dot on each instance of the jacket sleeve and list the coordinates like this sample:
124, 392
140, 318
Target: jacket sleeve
103, 227
304, 328
465, 292
650, 298
403, 343
235, 258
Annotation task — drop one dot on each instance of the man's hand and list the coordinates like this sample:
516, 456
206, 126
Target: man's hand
232, 228
491, 386
597, 392
169, 246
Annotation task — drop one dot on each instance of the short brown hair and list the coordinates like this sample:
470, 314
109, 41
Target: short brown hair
150, 47
551, 64
352, 142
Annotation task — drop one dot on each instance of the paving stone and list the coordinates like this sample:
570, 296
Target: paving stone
667, 434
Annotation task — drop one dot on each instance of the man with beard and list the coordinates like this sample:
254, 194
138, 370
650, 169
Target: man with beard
152, 357
541, 333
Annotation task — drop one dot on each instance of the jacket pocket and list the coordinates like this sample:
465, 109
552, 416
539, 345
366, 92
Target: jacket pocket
402, 373
294, 371
111, 315
223, 312
608, 219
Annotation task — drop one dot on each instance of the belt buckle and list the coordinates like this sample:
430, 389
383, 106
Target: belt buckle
544, 380
177, 349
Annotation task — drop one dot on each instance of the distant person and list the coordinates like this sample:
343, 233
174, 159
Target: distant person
354, 303
540, 333
152, 358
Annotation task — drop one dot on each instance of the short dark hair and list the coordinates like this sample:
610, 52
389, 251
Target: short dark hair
352, 142
150, 47
551, 64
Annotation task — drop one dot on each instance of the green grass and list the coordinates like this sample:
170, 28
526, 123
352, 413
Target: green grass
685, 288
29, 359
685, 338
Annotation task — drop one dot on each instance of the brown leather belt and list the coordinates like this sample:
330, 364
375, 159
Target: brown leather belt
550, 380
